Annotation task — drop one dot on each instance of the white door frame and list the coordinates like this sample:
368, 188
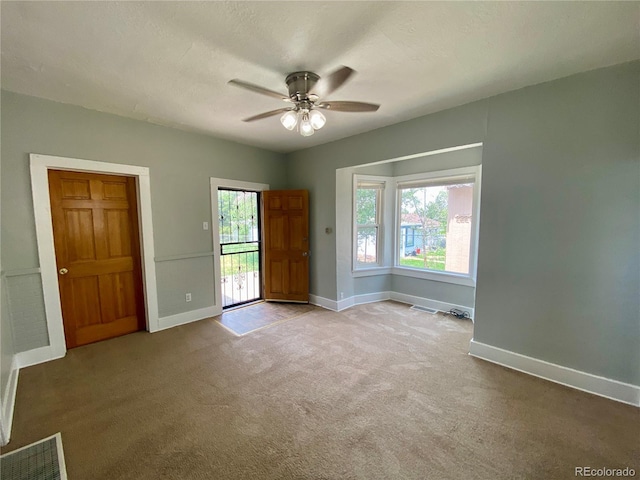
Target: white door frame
215, 226
39, 165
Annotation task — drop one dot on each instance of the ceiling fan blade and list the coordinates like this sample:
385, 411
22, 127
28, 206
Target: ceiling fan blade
266, 114
349, 106
259, 89
333, 81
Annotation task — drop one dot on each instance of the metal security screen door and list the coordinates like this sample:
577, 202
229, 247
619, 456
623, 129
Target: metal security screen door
240, 247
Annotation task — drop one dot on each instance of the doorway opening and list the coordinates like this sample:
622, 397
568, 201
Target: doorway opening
240, 246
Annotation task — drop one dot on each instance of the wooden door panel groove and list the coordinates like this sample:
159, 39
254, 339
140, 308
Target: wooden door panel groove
105, 331
101, 267
95, 204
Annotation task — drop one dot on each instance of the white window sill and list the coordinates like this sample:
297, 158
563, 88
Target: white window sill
370, 271
454, 278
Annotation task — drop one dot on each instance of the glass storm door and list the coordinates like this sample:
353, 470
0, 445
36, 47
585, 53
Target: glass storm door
239, 246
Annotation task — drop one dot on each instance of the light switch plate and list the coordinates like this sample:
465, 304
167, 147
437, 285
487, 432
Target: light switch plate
205, 225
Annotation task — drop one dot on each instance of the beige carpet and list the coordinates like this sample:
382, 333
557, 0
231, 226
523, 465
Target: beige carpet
376, 392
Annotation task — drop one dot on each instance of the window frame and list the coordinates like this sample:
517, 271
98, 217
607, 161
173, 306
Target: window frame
381, 187
434, 178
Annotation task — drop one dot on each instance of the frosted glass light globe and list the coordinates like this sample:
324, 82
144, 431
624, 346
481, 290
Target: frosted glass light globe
317, 119
289, 120
306, 129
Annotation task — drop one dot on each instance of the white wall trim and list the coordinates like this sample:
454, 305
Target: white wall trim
20, 272
38, 355
340, 305
323, 302
44, 231
362, 299
371, 297
430, 303
445, 277
425, 154
187, 317
8, 403
184, 256
343, 304
587, 382
215, 184
371, 272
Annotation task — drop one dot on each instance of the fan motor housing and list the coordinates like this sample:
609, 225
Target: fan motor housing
300, 83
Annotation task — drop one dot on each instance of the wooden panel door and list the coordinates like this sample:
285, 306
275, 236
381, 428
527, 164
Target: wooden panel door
286, 245
95, 229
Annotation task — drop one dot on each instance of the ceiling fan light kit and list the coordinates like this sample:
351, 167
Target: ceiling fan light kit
306, 121
305, 89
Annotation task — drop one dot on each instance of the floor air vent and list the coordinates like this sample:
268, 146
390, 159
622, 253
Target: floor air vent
432, 311
42, 460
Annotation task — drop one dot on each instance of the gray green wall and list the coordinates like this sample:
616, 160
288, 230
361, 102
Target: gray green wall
180, 164
558, 263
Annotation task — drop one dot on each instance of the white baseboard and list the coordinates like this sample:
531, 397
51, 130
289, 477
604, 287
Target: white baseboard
343, 304
339, 305
38, 355
427, 302
48, 353
8, 403
187, 317
371, 298
587, 382
323, 302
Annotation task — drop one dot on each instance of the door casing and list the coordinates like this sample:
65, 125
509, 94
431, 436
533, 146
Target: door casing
39, 164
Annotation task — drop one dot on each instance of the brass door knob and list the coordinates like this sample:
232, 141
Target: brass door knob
63, 271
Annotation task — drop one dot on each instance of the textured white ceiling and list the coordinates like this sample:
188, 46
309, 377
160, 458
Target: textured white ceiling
169, 62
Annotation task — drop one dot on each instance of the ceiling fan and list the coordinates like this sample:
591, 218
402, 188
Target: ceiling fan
306, 91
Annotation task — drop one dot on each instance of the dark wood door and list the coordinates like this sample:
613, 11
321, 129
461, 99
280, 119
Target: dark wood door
286, 245
95, 229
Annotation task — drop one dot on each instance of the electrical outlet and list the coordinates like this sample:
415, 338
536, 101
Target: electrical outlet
187, 297
341, 295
